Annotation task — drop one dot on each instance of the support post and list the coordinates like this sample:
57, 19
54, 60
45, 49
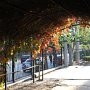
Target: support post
5, 79
39, 70
13, 69
33, 72
5, 66
42, 64
31, 62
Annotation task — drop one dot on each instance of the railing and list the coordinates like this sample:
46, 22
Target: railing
32, 74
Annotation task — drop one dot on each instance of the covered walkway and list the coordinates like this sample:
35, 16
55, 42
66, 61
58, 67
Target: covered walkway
37, 26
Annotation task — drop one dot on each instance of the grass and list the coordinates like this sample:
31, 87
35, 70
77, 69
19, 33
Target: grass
86, 58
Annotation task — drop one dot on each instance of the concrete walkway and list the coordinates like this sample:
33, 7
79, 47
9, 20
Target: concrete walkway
70, 78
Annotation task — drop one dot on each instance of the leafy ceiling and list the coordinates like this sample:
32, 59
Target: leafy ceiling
21, 18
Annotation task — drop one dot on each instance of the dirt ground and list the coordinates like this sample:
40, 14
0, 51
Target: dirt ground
38, 85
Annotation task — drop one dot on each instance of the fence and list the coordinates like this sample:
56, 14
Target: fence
10, 75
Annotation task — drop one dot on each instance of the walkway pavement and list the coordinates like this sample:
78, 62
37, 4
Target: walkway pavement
69, 78
72, 78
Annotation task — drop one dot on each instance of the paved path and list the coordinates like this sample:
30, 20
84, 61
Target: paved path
70, 78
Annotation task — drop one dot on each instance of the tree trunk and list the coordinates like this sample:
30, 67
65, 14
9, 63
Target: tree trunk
70, 56
77, 54
65, 54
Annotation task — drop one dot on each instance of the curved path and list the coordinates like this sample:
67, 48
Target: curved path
70, 78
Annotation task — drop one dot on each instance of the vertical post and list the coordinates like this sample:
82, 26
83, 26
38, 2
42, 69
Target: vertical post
42, 64
33, 72
13, 69
5, 69
5, 79
39, 70
31, 62
13, 66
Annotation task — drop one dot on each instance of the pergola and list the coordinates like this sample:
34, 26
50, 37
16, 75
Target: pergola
19, 19
23, 19
36, 22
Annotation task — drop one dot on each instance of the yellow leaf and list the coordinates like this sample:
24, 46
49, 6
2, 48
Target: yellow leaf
4, 60
1, 86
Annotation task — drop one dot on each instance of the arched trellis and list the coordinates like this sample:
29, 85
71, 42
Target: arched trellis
40, 39
13, 46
